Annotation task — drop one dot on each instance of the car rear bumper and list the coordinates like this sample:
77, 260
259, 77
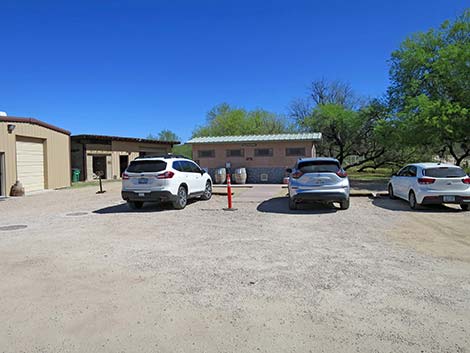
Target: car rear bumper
336, 195
153, 196
437, 200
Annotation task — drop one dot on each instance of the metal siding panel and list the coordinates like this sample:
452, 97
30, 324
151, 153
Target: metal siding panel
257, 138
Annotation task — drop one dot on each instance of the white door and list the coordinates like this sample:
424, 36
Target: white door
196, 178
399, 182
409, 181
30, 165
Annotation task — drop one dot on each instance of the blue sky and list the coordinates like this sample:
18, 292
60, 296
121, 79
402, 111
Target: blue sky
135, 67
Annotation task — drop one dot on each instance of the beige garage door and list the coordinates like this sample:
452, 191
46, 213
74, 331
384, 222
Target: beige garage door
30, 164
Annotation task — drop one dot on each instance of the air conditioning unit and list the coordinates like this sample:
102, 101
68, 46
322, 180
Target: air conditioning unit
263, 177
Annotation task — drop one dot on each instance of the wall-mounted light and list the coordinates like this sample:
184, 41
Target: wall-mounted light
11, 128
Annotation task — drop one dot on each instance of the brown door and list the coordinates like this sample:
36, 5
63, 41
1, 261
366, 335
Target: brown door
123, 163
99, 166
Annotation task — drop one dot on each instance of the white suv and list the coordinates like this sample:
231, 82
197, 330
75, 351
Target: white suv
168, 178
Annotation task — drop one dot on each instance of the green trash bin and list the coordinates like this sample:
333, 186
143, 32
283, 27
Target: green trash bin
75, 175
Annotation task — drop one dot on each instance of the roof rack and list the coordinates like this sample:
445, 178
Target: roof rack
165, 156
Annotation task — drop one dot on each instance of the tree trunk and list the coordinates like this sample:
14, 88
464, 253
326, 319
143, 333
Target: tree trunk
367, 159
458, 159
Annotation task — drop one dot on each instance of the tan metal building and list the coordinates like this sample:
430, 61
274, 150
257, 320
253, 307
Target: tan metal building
33, 152
110, 155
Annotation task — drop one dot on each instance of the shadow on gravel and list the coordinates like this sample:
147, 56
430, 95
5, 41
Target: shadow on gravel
370, 185
148, 207
281, 205
402, 205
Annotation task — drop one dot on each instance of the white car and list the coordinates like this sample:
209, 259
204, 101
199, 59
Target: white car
168, 178
431, 183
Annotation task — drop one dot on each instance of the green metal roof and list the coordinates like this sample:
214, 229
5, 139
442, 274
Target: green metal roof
314, 136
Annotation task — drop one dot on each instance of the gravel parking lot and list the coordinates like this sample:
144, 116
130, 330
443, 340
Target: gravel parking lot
88, 275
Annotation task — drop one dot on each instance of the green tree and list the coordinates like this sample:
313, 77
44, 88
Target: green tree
347, 132
168, 135
338, 126
164, 135
323, 92
430, 88
224, 120
381, 139
351, 126
183, 150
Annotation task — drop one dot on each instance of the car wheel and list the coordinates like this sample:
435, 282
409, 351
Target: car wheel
412, 200
207, 191
181, 198
390, 192
135, 205
464, 207
344, 205
292, 204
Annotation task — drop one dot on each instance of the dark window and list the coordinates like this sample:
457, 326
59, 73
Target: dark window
193, 168
408, 171
444, 172
403, 171
146, 166
318, 167
206, 153
295, 151
177, 166
263, 152
187, 167
236, 153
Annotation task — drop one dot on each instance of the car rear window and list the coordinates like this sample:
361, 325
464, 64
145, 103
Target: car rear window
318, 167
445, 172
146, 166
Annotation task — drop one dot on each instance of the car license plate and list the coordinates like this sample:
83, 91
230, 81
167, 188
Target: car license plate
449, 198
141, 194
143, 181
317, 182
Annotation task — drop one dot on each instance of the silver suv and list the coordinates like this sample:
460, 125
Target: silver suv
318, 180
167, 178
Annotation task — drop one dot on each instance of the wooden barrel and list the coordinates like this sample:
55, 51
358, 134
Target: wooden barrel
220, 175
240, 176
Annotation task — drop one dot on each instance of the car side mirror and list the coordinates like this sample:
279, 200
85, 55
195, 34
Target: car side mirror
289, 170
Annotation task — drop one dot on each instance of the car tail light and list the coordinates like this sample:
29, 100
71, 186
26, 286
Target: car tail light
466, 180
341, 173
426, 181
297, 175
167, 175
125, 176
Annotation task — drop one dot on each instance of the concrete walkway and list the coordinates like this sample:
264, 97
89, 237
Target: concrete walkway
259, 193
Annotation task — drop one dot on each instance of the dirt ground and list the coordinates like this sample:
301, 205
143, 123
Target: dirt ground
88, 275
